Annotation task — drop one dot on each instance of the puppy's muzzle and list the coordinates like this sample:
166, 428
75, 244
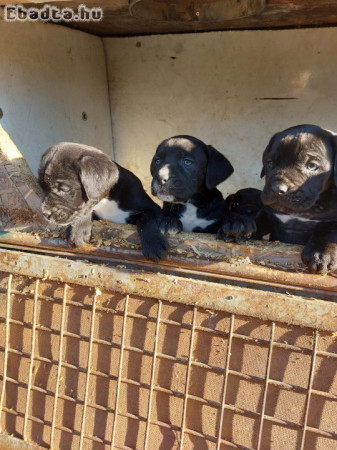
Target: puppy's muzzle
248, 210
166, 185
46, 211
279, 188
283, 195
55, 214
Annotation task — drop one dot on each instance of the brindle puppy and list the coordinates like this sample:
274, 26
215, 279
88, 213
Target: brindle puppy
300, 192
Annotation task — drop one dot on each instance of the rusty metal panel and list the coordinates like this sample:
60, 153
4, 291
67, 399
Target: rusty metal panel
266, 304
93, 356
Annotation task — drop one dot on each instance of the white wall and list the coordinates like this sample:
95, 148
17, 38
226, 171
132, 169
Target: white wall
49, 76
210, 85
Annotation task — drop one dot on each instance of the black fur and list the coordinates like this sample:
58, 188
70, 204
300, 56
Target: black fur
247, 202
185, 174
76, 177
300, 193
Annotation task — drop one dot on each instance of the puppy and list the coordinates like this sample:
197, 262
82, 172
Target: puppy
247, 202
185, 174
79, 180
300, 193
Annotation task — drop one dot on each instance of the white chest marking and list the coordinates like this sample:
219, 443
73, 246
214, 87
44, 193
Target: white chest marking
109, 210
190, 220
284, 218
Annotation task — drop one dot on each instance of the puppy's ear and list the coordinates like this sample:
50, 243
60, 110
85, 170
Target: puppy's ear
335, 168
153, 164
266, 150
46, 159
98, 174
229, 201
218, 167
334, 148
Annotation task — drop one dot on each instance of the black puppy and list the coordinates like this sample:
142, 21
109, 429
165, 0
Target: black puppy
79, 180
300, 193
185, 174
247, 202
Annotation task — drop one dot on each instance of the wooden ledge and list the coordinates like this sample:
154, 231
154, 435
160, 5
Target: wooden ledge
271, 266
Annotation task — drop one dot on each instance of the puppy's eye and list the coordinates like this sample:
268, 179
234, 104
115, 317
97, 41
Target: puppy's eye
187, 162
236, 204
63, 188
312, 166
157, 161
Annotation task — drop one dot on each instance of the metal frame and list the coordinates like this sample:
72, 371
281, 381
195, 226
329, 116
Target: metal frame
195, 295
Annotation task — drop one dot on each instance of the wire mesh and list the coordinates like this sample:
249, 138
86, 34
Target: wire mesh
88, 368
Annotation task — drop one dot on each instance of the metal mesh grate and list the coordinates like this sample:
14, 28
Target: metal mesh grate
85, 368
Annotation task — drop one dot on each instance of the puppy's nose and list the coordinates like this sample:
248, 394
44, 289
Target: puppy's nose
163, 180
46, 212
279, 188
164, 174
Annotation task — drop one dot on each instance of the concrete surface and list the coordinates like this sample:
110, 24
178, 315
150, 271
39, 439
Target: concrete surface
49, 77
231, 89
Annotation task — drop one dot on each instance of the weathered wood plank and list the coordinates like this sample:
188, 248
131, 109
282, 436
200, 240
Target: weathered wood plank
268, 265
20, 195
276, 14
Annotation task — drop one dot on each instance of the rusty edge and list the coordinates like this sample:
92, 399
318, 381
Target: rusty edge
272, 264
13, 443
291, 309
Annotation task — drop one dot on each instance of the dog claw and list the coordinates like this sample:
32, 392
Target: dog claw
171, 225
156, 249
236, 227
319, 258
80, 234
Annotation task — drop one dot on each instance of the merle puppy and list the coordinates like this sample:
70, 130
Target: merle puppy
185, 174
300, 193
79, 180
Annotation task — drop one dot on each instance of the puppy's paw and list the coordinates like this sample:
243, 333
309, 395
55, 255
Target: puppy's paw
320, 258
236, 227
154, 247
171, 225
80, 233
